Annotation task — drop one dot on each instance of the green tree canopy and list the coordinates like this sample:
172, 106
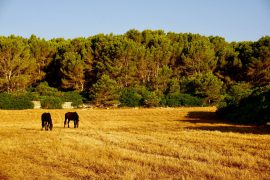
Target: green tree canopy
16, 65
105, 92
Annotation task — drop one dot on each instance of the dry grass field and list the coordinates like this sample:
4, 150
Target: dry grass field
162, 143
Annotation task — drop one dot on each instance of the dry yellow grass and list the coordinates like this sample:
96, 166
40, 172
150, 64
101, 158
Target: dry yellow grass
165, 143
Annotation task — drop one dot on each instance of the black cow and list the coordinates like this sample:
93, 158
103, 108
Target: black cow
46, 121
72, 116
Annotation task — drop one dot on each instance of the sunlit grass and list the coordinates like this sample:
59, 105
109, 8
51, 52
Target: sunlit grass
181, 143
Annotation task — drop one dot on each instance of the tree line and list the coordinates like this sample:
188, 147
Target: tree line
149, 68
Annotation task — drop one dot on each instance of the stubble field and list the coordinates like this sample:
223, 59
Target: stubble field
161, 143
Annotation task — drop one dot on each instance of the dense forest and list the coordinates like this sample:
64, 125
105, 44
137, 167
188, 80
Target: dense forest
148, 68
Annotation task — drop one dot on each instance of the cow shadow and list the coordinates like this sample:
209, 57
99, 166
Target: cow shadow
39, 129
209, 121
30, 129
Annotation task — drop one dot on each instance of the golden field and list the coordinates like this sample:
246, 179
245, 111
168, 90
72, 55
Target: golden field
160, 143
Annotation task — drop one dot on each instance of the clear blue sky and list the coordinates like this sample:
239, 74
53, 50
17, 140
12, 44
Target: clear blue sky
236, 20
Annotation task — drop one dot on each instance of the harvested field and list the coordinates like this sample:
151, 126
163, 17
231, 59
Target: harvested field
161, 143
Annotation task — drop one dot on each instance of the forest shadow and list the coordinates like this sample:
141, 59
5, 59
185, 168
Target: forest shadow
204, 117
235, 129
214, 124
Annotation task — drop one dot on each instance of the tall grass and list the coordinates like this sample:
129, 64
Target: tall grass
181, 143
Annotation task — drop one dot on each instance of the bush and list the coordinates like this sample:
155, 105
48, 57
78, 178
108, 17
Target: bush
51, 102
178, 99
52, 98
74, 97
130, 98
254, 109
151, 99
104, 92
8, 101
237, 92
204, 85
45, 90
33, 96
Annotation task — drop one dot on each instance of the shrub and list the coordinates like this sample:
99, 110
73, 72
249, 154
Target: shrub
9, 101
130, 98
105, 92
254, 109
237, 92
151, 99
51, 102
52, 98
178, 99
34, 96
148, 98
204, 85
45, 90
73, 97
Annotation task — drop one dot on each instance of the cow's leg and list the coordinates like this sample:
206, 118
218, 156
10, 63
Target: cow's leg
68, 122
74, 123
65, 122
51, 126
42, 124
46, 126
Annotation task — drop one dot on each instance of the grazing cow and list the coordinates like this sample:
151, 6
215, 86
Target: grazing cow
72, 116
46, 121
